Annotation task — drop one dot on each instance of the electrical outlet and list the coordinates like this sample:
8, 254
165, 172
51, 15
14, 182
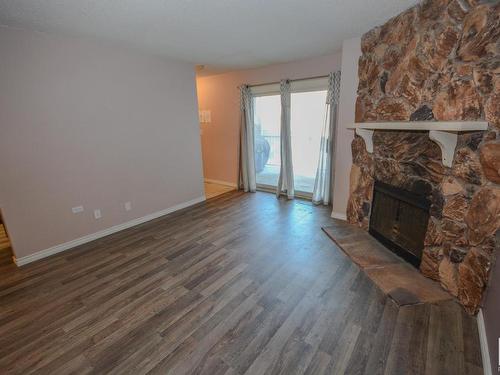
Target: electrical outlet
97, 214
77, 209
128, 206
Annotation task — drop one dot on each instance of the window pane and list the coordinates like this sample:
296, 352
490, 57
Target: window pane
267, 113
307, 120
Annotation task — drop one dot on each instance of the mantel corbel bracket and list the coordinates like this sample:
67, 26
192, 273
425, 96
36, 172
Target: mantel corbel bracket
367, 135
447, 141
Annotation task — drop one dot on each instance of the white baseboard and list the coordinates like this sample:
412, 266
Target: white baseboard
103, 233
220, 182
340, 216
483, 340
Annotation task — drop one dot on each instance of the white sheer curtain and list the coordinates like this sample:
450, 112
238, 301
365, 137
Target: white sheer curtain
323, 184
247, 155
285, 181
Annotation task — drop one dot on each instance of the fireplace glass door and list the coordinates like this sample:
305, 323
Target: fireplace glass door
399, 220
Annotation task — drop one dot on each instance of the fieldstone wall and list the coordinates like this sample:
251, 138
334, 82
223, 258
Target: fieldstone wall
439, 60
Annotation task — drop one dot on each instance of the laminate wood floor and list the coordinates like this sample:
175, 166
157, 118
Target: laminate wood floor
240, 284
213, 190
5, 251
4, 240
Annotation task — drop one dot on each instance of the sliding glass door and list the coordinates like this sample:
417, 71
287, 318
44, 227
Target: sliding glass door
307, 119
267, 112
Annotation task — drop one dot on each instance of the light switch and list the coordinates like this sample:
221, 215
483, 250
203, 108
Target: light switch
205, 116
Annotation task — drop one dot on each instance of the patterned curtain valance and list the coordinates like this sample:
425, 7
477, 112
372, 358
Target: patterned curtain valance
333, 94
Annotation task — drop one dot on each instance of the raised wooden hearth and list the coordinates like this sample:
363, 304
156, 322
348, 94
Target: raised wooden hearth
397, 279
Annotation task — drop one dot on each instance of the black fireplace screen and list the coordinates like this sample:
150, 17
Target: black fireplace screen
399, 220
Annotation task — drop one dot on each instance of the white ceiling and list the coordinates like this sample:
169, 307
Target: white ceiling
221, 34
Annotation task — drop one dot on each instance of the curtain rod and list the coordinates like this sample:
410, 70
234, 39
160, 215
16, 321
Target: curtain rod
291, 80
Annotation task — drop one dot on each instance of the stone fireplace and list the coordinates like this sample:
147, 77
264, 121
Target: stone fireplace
440, 60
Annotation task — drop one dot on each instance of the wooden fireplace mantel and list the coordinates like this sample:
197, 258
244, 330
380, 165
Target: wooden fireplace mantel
444, 133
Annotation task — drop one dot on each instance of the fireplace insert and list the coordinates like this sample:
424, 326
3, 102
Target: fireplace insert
399, 220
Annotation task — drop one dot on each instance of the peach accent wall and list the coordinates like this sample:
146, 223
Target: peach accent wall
220, 94
92, 124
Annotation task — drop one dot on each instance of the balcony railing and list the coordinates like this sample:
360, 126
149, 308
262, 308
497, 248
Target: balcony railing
274, 153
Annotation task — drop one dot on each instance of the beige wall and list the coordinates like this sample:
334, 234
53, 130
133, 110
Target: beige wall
491, 312
351, 51
220, 95
84, 123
